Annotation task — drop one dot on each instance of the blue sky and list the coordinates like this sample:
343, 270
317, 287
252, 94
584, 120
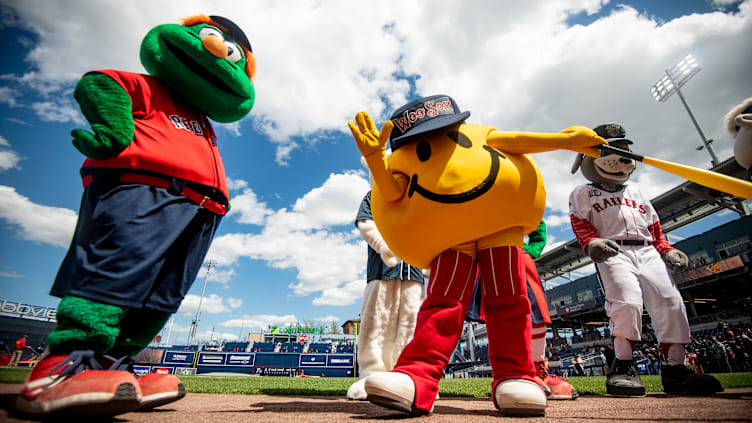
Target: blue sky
288, 251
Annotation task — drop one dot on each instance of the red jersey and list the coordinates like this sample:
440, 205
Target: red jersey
21, 343
170, 137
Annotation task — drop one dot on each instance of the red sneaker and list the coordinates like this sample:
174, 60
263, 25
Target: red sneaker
558, 388
156, 389
74, 384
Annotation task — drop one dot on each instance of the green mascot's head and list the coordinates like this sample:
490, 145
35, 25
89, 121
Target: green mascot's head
207, 61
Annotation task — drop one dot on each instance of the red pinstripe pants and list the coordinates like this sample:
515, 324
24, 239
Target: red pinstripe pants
440, 320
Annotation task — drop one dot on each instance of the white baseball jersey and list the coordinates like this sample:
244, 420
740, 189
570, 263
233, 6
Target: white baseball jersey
624, 214
637, 274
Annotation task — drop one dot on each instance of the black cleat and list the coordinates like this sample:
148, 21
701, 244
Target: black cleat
623, 379
679, 379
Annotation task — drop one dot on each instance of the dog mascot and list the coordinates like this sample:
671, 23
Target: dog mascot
621, 232
393, 294
154, 193
739, 123
453, 197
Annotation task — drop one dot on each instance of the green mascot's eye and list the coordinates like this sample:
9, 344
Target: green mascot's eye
210, 30
234, 52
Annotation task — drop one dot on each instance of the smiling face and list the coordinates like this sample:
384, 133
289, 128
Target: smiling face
186, 59
460, 190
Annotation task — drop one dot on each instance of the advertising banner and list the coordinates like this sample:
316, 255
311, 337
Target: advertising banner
340, 360
239, 359
276, 371
211, 359
141, 370
313, 360
179, 357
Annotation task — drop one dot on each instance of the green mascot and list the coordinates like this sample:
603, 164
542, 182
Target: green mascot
154, 194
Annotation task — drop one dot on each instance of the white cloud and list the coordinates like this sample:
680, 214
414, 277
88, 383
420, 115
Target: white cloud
261, 321
305, 239
236, 184
9, 159
516, 66
8, 96
341, 295
11, 274
211, 304
64, 111
4, 142
49, 225
234, 302
247, 208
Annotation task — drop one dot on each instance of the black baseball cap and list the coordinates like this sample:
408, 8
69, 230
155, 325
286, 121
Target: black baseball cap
612, 133
423, 115
233, 30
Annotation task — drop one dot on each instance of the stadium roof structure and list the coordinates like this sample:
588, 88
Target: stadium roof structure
686, 203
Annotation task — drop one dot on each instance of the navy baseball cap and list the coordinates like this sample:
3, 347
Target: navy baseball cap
423, 115
612, 132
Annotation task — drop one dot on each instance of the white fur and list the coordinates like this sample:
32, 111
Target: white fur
388, 316
742, 135
373, 237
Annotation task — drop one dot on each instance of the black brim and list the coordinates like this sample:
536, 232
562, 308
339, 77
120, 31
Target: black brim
428, 126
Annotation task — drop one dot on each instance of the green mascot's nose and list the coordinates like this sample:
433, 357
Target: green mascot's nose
215, 46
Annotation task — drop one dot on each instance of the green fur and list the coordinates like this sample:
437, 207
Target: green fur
536, 240
107, 107
216, 86
138, 329
85, 325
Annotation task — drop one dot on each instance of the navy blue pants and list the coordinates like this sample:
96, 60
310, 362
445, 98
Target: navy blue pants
135, 246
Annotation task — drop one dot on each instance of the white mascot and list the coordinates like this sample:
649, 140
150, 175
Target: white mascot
391, 300
739, 124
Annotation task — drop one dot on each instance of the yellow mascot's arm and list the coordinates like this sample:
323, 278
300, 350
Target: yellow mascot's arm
575, 138
372, 145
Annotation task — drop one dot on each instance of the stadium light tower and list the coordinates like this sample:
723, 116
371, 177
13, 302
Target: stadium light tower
671, 82
194, 325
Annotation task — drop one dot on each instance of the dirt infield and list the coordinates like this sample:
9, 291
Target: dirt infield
733, 405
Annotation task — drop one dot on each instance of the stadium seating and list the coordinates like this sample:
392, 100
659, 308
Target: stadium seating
262, 347
320, 348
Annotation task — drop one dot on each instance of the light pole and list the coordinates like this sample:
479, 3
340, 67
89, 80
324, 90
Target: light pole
194, 325
671, 82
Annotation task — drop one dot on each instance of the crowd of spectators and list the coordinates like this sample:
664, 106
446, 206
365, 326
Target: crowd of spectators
723, 349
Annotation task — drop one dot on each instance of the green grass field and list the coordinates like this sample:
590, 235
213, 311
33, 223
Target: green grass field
594, 385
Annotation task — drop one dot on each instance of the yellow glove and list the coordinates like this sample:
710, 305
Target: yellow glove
372, 145
575, 138
367, 137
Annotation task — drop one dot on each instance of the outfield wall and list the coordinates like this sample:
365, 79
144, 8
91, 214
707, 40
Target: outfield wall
253, 363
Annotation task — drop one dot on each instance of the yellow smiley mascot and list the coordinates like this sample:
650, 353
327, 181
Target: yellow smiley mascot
454, 197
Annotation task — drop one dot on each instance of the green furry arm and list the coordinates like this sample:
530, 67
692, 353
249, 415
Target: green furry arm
536, 240
107, 107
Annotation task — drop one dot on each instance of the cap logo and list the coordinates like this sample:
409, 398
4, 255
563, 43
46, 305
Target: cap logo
424, 111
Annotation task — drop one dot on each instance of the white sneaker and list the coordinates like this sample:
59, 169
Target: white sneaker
357, 391
520, 397
393, 390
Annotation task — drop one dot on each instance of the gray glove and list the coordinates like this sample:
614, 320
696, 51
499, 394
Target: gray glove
601, 249
676, 260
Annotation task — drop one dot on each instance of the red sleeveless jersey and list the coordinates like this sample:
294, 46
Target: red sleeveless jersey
170, 137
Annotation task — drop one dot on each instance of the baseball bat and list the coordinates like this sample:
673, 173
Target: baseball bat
707, 178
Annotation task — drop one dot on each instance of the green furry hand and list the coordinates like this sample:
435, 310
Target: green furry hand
107, 107
99, 146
